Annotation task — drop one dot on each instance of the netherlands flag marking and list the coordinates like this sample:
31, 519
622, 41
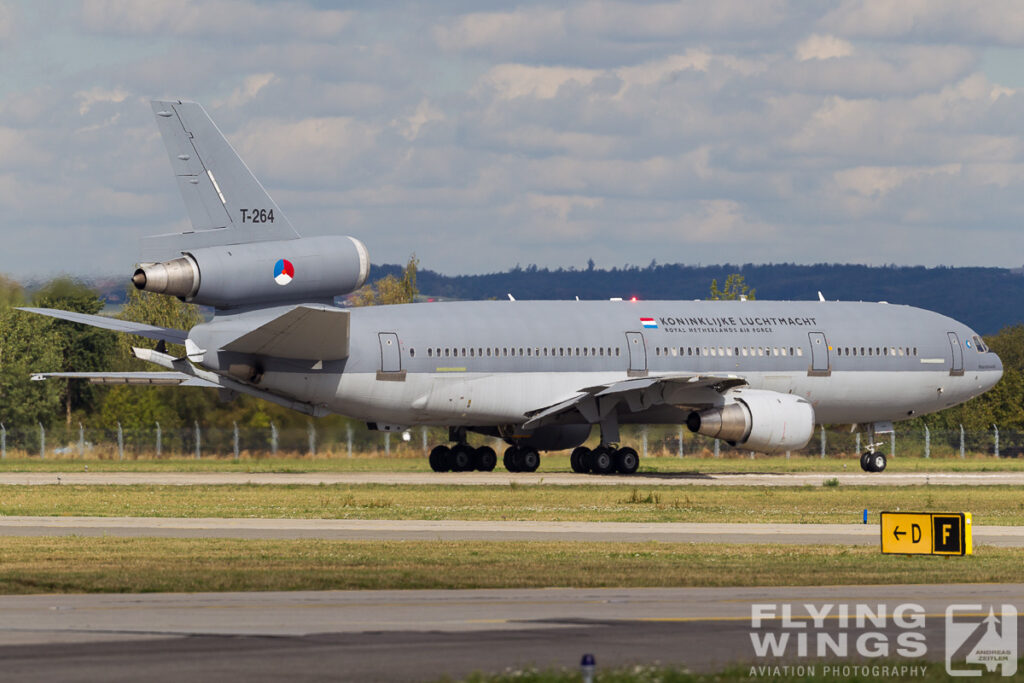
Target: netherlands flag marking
284, 271
649, 323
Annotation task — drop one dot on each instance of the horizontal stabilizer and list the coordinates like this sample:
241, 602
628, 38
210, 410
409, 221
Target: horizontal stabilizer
166, 334
147, 378
225, 202
308, 332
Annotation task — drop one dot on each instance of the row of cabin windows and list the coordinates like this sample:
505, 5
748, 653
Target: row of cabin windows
876, 350
728, 351
527, 351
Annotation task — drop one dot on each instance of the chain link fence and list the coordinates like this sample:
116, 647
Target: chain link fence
355, 440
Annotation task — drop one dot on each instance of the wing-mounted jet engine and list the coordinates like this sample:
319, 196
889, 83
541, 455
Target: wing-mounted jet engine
763, 421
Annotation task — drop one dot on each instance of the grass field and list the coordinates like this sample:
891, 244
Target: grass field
990, 505
139, 565
933, 671
549, 463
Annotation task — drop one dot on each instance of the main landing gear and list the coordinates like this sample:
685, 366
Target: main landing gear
463, 458
604, 460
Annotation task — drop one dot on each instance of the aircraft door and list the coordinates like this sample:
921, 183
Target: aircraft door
957, 368
637, 351
390, 355
819, 355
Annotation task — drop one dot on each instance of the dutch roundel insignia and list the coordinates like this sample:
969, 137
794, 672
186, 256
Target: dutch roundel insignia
284, 271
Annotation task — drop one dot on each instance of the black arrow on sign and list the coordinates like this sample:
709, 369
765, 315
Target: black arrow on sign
897, 533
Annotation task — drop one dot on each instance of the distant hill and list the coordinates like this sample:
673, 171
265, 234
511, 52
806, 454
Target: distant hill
987, 299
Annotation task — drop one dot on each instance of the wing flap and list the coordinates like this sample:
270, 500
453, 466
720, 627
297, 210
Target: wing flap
167, 334
637, 394
143, 378
307, 332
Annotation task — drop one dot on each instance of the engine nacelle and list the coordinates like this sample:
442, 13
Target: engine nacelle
763, 421
304, 269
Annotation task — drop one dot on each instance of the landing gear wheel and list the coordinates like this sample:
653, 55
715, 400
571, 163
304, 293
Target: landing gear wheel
485, 459
510, 459
530, 460
440, 459
601, 461
626, 461
462, 458
578, 460
865, 462
878, 462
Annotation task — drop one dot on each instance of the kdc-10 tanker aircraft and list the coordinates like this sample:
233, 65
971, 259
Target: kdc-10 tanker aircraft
538, 374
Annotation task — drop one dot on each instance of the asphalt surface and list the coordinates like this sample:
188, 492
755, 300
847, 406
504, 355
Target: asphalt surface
424, 635
459, 530
502, 478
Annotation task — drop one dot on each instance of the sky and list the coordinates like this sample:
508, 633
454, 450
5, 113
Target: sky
482, 135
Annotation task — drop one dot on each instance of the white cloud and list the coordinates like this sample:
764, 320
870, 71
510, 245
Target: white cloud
242, 20
1000, 21
547, 133
247, 92
823, 47
89, 98
6, 20
521, 80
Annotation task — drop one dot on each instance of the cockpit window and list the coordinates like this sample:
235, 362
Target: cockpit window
980, 345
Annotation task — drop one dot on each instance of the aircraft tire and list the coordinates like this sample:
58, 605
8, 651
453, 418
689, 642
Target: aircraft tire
510, 460
878, 462
462, 458
578, 460
865, 463
485, 458
529, 459
602, 461
440, 459
626, 461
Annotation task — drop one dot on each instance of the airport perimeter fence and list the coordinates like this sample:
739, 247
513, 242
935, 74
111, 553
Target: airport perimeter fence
355, 440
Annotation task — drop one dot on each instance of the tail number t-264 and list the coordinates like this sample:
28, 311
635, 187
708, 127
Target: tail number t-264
257, 215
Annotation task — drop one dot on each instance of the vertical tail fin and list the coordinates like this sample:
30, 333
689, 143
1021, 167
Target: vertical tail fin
224, 200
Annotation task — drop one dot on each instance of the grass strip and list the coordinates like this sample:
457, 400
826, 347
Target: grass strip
138, 565
804, 672
990, 505
549, 463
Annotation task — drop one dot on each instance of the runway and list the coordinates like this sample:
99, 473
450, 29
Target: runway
423, 635
506, 478
461, 530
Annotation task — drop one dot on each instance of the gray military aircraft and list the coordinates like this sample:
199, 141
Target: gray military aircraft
537, 374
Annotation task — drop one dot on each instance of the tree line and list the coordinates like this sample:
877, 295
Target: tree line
31, 343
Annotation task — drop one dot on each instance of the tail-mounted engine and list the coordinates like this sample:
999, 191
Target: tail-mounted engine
304, 269
763, 421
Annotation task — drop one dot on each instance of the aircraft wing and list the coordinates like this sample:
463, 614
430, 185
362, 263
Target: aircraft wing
166, 334
150, 378
307, 332
637, 393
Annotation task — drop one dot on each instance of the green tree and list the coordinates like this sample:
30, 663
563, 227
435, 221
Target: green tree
735, 288
154, 309
28, 343
390, 289
82, 348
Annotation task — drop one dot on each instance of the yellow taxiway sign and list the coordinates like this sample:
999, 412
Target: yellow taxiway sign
926, 533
